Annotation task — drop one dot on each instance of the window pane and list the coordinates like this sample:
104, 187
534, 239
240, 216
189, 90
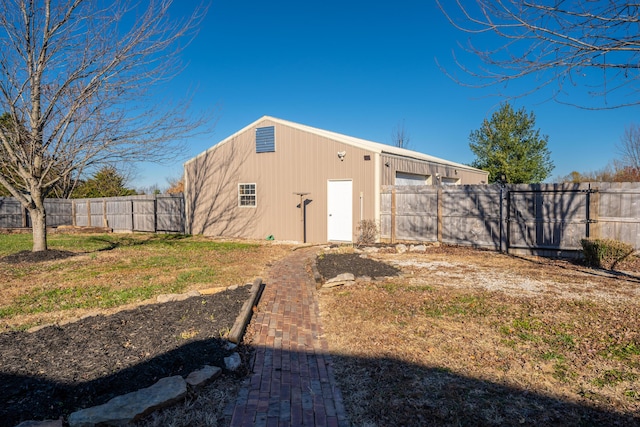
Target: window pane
246, 195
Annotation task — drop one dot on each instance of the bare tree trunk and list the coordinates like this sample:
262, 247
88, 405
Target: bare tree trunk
38, 223
39, 226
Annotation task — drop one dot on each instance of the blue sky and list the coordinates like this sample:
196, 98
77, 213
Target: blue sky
359, 68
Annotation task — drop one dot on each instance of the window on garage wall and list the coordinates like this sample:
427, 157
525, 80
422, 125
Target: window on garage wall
247, 195
405, 178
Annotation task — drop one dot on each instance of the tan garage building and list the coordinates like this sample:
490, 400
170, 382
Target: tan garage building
253, 183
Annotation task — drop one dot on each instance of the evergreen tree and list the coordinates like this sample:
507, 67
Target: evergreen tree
508, 144
106, 182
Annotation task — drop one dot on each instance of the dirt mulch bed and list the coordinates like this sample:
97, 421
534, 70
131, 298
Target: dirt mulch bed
29, 257
59, 369
331, 265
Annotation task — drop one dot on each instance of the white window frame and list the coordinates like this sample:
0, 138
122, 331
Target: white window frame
242, 187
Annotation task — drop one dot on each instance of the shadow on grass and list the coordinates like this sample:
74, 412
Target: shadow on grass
580, 266
104, 243
114, 242
392, 392
385, 392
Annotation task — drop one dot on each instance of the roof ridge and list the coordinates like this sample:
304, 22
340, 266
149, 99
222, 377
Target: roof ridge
346, 139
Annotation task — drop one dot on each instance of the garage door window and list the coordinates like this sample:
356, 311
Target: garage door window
404, 178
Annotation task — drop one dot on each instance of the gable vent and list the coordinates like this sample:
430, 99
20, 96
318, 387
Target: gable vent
265, 139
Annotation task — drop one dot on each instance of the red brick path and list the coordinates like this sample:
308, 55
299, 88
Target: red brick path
292, 382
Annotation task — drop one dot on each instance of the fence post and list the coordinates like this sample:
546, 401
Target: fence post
105, 222
73, 213
155, 213
133, 217
593, 211
501, 218
393, 215
439, 218
88, 201
24, 217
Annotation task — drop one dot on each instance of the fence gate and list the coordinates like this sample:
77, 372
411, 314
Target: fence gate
552, 220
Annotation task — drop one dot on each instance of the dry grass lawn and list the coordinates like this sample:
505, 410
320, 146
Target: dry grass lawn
468, 337
108, 272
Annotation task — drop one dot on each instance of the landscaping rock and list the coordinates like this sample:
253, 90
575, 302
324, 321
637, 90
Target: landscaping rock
130, 407
371, 250
340, 280
233, 362
204, 376
418, 248
400, 248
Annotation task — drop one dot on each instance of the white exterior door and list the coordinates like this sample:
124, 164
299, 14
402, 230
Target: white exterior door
340, 211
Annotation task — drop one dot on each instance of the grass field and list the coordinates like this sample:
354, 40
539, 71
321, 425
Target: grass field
109, 271
470, 337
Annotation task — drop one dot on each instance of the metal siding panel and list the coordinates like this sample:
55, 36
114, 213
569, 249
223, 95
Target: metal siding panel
401, 164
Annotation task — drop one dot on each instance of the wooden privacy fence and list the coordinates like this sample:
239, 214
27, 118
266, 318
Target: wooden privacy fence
152, 213
543, 219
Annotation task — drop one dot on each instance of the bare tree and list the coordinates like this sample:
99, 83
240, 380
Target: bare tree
562, 44
176, 185
400, 137
75, 80
629, 147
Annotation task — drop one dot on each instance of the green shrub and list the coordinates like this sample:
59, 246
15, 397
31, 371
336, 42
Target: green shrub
605, 253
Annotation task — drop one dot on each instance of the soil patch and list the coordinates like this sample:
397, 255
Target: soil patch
59, 369
331, 265
29, 257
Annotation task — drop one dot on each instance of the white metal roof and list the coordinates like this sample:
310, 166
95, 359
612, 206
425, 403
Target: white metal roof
375, 147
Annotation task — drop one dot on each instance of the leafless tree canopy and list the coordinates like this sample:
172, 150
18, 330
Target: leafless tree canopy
75, 80
400, 136
561, 44
629, 147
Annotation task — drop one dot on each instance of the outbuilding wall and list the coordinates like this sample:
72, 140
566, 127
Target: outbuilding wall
392, 164
302, 162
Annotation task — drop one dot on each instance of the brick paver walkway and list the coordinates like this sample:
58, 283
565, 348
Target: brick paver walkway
292, 383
